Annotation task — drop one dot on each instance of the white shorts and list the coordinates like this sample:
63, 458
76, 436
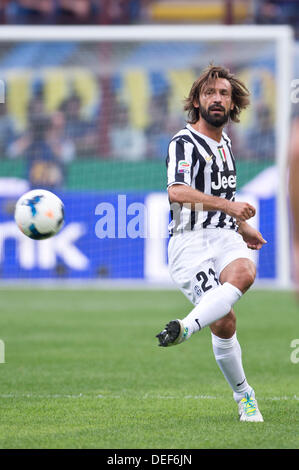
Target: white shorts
197, 258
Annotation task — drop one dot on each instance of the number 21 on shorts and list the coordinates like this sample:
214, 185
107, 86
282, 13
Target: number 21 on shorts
204, 281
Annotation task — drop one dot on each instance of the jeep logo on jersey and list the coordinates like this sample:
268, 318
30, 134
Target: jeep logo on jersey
223, 180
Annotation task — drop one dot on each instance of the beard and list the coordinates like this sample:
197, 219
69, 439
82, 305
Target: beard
214, 120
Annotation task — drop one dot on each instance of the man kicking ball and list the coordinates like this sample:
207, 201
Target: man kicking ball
209, 257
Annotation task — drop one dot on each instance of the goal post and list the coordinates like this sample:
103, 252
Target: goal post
241, 46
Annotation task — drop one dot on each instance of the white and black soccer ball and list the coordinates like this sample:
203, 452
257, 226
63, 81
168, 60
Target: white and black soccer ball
39, 214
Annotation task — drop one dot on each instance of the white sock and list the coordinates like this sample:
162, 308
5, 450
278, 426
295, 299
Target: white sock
228, 356
215, 304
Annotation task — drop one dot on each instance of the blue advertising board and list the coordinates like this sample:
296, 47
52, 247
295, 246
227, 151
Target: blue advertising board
108, 236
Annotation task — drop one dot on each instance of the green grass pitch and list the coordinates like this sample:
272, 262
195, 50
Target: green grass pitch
82, 370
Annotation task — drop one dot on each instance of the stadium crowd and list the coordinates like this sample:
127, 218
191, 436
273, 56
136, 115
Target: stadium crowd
140, 11
71, 11
51, 140
66, 134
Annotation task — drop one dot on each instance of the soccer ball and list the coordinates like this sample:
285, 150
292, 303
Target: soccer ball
39, 214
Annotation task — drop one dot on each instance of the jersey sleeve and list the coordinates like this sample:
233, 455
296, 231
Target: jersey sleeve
179, 162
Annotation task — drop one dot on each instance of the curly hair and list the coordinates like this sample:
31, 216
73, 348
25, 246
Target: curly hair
240, 94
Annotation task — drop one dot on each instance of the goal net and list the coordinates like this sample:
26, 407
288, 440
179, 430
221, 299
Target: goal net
88, 113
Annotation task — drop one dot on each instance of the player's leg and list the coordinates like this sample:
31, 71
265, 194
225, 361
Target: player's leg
240, 273
235, 280
228, 355
196, 261
228, 256
215, 301
215, 309
226, 347
192, 268
236, 273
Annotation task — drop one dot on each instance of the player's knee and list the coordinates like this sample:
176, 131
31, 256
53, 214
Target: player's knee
244, 277
247, 278
240, 273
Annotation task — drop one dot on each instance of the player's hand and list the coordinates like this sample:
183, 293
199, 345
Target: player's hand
252, 237
240, 210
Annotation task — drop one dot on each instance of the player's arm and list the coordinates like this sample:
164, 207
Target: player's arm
252, 237
184, 194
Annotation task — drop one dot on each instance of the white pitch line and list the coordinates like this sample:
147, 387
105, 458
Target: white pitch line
144, 397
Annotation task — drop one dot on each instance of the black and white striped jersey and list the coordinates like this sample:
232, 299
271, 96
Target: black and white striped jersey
204, 164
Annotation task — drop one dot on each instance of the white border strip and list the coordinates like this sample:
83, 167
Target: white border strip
144, 33
118, 284
283, 106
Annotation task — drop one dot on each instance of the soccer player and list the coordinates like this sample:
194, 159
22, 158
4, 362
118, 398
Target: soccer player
209, 257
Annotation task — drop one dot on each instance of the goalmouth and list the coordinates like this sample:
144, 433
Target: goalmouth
237, 45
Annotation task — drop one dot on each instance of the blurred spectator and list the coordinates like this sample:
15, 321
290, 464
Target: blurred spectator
36, 106
82, 132
33, 12
122, 11
156, 132
45, 149
77, 11
260, 140
126, 142
62, 146
7, 130
2, 12
72, 11
278, 12
159, 134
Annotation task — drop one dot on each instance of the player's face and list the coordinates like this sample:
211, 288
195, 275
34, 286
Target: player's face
215, 102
